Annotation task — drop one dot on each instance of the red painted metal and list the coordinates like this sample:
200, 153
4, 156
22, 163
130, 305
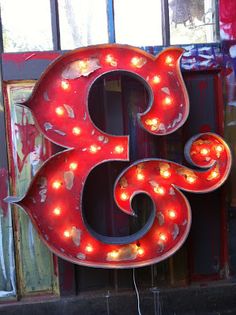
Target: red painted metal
54, 200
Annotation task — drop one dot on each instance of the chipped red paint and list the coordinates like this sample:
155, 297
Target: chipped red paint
3, 190
227, 13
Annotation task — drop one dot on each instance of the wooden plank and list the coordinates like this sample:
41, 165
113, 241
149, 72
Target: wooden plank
28, 150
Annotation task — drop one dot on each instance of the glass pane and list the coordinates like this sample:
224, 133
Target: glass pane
26, 25
82, 23
192, 21
138, 22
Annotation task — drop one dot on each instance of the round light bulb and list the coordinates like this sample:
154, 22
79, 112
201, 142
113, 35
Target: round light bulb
89, 248
140, 176
204, 151
76, 131
66, 233
172, 214
159, 190
191, 179
169, 60
140, 251
119, 149
167, 100
124, 196
56, 184
65, 85
156, 79
57, 211
93, 149
73, 166
219, 148
163, 237
59, 111
114, 254
165, 174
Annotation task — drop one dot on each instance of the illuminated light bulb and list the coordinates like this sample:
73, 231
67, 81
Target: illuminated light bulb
154, 123
119, 149
167, 100
163, 237
140, 176
66, 233
124, 196
191, 179
110, 59
156, 79
135, 61
219, 148
214, 174
57, 211
169, 60
159, 190
89, 248
165, 173
172, 214
56, 184
114, 254
76, 131
73, 166
140, 251
204, 151
59, 111
83, 65
93, 148
65, 85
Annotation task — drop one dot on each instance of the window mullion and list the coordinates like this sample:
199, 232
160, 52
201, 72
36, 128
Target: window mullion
165, 23
55, 25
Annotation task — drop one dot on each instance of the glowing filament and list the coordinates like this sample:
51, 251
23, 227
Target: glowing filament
124, 196
73, 166
76, 131
159, 190
57, 211
119, 149
167, 100
59, 111
156, 79
89, 248
66, 233
169, 60
204, 151
65, 85
56, 184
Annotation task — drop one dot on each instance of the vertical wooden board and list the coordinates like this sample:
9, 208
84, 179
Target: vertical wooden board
7, 261
28, 150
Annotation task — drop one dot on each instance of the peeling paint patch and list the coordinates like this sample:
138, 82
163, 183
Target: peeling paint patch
61, 133
47, 126
128, 252
175, 231
79, 68
69, 179
81, 256
69, 111
160, 218
76, 235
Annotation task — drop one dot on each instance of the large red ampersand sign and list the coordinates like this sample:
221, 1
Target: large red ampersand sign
60, 106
